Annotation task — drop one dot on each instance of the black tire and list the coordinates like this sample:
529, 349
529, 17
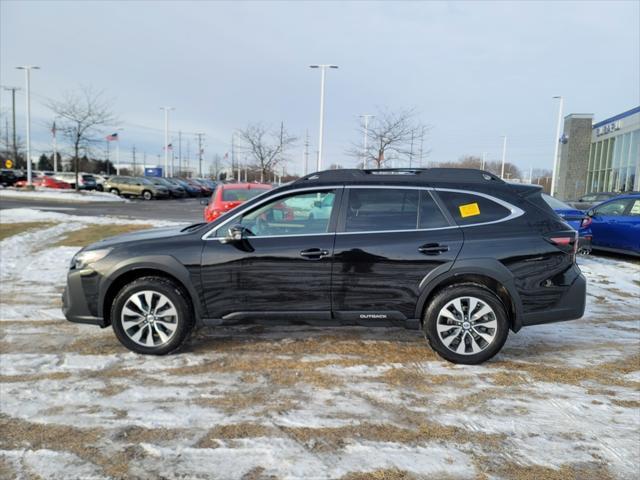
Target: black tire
115, 191
147, 195
482, 293
100, 188
184, 320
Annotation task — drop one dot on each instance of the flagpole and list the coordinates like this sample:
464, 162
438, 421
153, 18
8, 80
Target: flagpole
118, 155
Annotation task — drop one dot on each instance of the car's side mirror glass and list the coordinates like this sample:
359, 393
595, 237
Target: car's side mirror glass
235, 234
317, 204
591, 212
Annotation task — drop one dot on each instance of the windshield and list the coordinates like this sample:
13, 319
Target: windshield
555, 203
241, 194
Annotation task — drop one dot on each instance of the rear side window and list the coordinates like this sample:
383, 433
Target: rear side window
467, 208
378, 209
430, 214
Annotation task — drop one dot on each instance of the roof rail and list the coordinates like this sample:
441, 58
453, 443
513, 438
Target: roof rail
452, 175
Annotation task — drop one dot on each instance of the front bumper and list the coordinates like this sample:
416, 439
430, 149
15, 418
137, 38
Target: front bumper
75, 304
569, 307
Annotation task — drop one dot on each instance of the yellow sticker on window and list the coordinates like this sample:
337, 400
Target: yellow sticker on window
469, 210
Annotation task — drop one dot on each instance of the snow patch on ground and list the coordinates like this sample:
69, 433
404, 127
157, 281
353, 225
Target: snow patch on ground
60, 195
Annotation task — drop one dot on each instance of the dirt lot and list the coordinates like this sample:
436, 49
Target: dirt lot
561, 401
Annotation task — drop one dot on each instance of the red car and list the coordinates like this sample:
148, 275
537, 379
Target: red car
48, 182
230, 195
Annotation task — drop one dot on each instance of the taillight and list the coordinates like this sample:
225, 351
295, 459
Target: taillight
565, 241
586, 221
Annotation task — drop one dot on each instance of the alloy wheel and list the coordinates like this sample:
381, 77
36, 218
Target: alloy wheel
149, 318
467, 325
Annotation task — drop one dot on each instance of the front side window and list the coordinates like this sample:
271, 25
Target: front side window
380, 209
468, 209
298, 214
614, 208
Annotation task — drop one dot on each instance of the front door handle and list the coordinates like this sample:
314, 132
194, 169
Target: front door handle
314, 253
433, 249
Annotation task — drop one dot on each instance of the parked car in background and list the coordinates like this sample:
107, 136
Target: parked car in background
212, 184
616, 225
205, 190
457, 253
86, 181
229, 195
590, 200
100, 181
191, 190
46, 182
135, 186
578, 220
8, 177
175, 190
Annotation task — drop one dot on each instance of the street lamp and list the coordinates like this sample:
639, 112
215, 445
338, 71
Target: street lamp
557, 146
366, 135
323, 69
27, 71
504, 155
166, 138
118, 151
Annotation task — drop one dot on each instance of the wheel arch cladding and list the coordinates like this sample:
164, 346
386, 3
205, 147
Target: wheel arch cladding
488, 272
164, 267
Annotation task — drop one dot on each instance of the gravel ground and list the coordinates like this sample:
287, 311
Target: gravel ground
561, 401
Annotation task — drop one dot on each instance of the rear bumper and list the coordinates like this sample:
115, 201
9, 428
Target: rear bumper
75, 306
570, 306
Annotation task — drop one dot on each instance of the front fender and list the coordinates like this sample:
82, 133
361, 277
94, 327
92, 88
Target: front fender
486, 267
163, 263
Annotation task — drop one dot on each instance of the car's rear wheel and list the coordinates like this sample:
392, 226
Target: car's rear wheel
147, 195
99, 188
466, 323
115, 191
151, 315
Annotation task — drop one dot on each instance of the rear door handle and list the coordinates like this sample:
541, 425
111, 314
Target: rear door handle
433, 249
314, 253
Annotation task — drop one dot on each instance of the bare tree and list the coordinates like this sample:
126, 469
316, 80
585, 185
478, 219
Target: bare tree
82, 114
391, 135
266, 148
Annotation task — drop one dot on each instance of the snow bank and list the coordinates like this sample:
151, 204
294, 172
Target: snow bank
59, 195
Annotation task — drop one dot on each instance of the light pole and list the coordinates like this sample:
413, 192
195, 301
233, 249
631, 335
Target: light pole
166, 138
557, 146
504, 155
13, 115
366, 118
118, 150
27, 72
323, 69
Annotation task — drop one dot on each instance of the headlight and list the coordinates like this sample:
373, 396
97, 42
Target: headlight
84, 258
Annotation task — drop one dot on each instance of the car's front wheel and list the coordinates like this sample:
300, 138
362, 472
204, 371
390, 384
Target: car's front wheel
151, 315
466, 323
147, 195
114, 191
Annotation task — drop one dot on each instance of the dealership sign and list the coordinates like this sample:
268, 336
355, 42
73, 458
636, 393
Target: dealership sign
608, 128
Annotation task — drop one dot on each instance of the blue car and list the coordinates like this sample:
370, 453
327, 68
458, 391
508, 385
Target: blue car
578, 220
616, 225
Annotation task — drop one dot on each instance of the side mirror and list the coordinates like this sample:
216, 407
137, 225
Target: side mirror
204, 202
235, 234
591, 212
317, 204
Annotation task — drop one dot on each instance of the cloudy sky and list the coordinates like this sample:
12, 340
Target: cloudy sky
474, 70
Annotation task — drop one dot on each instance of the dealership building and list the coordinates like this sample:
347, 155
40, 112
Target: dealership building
599, 157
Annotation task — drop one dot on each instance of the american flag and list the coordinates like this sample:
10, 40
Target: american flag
113, 137
170, 147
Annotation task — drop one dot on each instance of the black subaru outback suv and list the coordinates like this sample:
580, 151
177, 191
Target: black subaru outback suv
458, 253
